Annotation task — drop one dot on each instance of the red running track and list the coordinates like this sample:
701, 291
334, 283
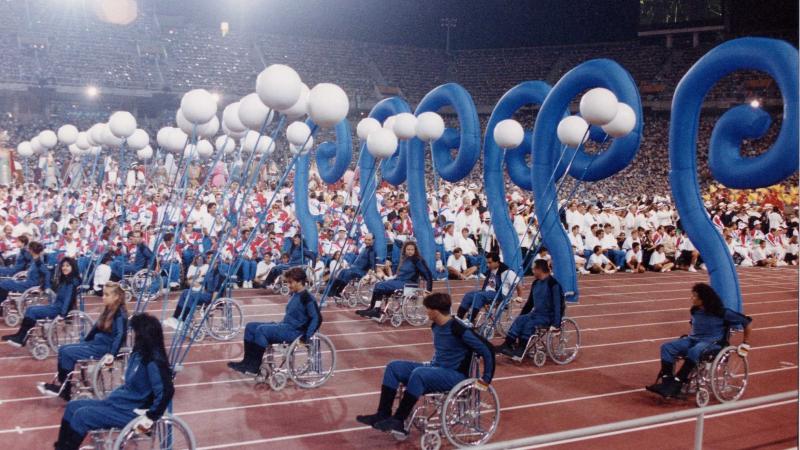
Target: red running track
624, 318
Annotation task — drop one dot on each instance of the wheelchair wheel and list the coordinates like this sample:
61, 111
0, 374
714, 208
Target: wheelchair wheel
729, 375
414, 310
312, 364
224, 319
396, 320
169, 432
68, 330
364, 292
563, 347
105, 379
702, 397
350, 294
470, 415
11, 317
507, 317
284, 289
277, 381
539, 358
40, 351
430, 441
145, 283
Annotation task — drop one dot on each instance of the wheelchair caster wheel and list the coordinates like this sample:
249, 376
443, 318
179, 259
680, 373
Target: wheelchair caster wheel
12, 319
702, 397
430, 441
352, 301
284, 290
397, 320
201, 334
277, 381
539, 358
40, 352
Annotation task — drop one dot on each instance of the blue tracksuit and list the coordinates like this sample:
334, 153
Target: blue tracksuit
21, 263
363, 264
545, 298
143, 258
302, 318
298, 255
213, 283
453, 343
148, 384
66, 293
488, 293
96, 344
38, 275
408, 273
707, 332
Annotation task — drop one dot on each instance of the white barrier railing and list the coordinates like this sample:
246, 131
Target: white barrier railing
595, 431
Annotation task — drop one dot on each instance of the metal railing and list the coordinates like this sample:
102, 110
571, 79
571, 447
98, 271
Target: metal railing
596, 431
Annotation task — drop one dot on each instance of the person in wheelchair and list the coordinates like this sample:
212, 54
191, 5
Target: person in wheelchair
454, 344
409, 270
104, 340
66, 289
301, 320
362, 264
21, 262
147, 391
38, 275
298, 254
544, 308
203, 292
141, 258
710, 322
498, 275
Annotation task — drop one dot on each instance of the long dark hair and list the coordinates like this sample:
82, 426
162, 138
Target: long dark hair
415, 256
148, 337
712, 303
74, 276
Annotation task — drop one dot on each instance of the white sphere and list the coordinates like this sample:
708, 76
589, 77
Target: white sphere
37, 146
190, 152
508, 133
82, 141
366, 126
209, 129
24, 149
230, 118
162, 137
265, 144
388, 123
109, 140
122, 124
278, 86
177, 140
297, 133
302, 149
623, 123
225, 144
233, 134
183, 123
95, 134
48, 139
204, 149
405, 125
138, 140
74, 150
94, 151
198, 106
145, 153
327, 104
67, 134
253, 113
572, 131
430, 126
381, 143
300, 107
598, 106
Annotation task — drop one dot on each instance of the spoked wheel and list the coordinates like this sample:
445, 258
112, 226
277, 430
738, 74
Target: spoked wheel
350, 294
167, 433
107, 378
470, 415
11, 317
414, 311
563, 346
224, 319
507, 317
729, 374
145, 283
364, 292
34, 297
313, 363
70, 330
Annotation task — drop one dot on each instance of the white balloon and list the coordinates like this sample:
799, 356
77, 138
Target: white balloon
204, 149
48, 139
300, 107
109, 140
138, 140
327, 104
265, 144
230, 118
298, 150
67, 134
430, 126
225, 144
508, 133
95, 134
122, 124
183, 123
253, 113
94, 151
209, 129
162, 137
623, 123
198, 106
190, 152
177, 140
233, 134
405, 125
572, 131
297, 133
366, 126
82, 141
381, 143
145, 153
36, 145
388, 123
24, 149
598, 106
278, 86
74, 150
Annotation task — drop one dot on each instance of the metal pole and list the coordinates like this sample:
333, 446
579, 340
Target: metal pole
698, 431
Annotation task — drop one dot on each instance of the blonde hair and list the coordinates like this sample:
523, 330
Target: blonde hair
106, 320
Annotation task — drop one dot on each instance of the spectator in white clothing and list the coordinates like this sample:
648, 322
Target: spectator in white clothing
457, 266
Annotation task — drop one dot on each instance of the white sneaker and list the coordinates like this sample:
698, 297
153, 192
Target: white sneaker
482, 276
781, 263
584, 271
692, 269
703, 267
171, 323
174, 285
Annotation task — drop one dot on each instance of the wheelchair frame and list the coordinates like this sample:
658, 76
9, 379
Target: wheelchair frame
232, 320
542, 344
163, 430
358, 291
404, 305
50, 334
16, 303
281, 363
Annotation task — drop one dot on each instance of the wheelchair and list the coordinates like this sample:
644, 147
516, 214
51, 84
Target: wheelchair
561, 346
467, 415
146, 283
404, 305
224, 320
282, 287
15, 305
167, 433
50, 334
309, 365
358, 291
91, 379
503, 322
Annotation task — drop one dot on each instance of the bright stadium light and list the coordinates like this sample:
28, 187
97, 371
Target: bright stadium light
92, 91
755, 103
224, 27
